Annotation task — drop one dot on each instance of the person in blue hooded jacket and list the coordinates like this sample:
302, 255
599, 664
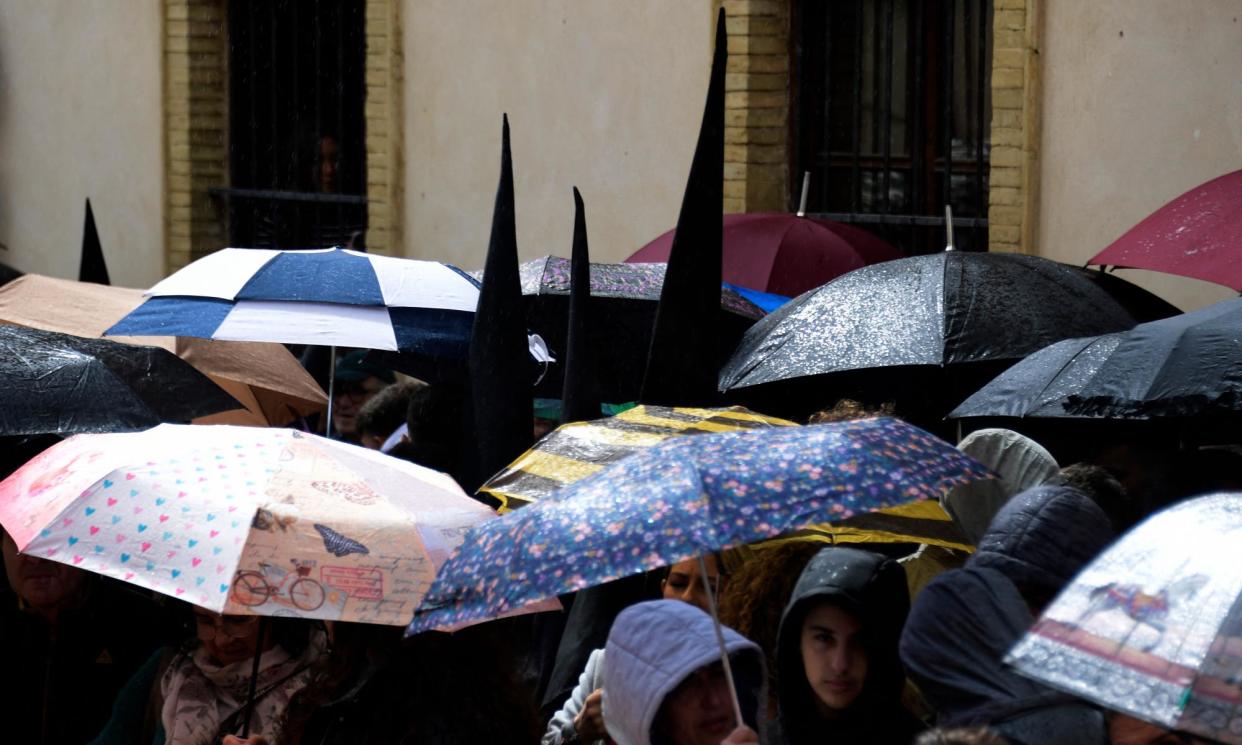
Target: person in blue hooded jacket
664, 683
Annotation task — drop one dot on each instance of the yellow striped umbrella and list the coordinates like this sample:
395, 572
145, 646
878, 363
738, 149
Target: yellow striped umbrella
917, 522
576, 450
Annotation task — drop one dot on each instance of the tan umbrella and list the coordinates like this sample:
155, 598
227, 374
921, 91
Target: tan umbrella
269, 381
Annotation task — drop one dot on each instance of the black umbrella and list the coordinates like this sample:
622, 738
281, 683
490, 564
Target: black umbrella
92, 267
949, 308
1143, 305
60, 384
622, 308
1189, 365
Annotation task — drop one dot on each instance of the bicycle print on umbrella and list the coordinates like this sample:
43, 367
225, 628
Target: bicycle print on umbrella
289, 588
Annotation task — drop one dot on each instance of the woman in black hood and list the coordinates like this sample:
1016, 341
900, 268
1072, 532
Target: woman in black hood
840, 678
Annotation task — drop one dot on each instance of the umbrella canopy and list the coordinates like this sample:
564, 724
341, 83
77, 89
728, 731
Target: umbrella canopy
685, 497
784, 254
243, 520
265, 378
580, 449
60, 384
329, 297
622, 306
1196, 235
1141, 304
92, 267
1189, 365
1153, 626
940, 309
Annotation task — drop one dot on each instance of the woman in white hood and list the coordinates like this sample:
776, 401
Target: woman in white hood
664, 682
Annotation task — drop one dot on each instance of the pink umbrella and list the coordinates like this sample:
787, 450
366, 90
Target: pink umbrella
1198, 235
783, 253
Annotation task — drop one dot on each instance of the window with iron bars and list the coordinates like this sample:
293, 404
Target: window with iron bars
891, 116
296, 124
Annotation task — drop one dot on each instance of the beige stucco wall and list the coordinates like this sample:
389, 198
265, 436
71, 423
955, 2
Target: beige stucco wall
80, 117
1142, 100
603, 95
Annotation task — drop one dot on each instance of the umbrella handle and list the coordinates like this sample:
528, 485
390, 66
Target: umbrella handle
327, 427
806, 188
254, 678
724, 651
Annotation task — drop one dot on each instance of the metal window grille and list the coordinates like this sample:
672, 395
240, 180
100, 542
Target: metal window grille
296, 125
892, 112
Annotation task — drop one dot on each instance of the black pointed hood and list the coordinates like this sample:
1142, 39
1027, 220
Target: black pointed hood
500, 387
682, 363
92, 267
579, 393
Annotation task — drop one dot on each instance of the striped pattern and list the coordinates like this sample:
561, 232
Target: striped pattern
917, 522
577, 450
328, 297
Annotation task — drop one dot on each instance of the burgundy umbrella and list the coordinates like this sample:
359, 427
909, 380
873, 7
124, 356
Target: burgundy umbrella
1198, 235
783, 253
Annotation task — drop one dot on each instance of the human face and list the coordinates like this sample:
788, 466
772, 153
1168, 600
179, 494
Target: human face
1124, 730
46, 586
329, 158
227, 639
685, 582
347, 398
699, 711
833, 657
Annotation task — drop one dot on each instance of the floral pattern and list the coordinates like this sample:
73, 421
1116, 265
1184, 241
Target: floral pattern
684, 497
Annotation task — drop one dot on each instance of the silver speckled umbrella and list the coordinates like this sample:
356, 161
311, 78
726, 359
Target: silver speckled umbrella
940, 309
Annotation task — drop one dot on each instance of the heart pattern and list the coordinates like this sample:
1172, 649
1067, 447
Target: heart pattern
181, 527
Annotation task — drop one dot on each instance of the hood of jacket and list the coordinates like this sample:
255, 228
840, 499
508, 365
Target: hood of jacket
1042, 537
872, 588
1019, 464
960, 628
652, 648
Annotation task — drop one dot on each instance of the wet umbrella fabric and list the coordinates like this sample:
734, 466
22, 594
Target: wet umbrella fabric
1153, 626
329, 297
1196, 235
60, 384
941, 309
685, 497
784, 254
623, 305
577, 450
265, 378
243, 520
1189, 365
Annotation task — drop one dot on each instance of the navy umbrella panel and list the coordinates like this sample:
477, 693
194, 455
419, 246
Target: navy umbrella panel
328, 297
54, 383
1183, 366
942, 309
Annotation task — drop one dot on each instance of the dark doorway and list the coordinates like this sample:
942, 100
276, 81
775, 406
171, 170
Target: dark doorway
892, 113
297, 151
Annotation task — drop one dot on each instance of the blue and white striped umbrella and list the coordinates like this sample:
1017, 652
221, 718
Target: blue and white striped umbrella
331, 297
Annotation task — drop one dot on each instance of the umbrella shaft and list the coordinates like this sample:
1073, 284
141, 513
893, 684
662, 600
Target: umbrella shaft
724, 651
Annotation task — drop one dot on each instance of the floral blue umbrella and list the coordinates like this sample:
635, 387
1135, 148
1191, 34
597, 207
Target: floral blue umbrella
683, 498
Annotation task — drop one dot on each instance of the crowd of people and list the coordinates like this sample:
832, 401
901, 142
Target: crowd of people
886, 643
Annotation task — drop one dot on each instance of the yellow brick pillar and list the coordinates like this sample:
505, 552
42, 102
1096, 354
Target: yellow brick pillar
757, 106
1013, 199
383, 113
195, 126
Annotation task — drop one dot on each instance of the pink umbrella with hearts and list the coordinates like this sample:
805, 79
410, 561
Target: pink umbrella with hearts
243, 520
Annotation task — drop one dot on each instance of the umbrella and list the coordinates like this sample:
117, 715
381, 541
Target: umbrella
940, 309
684, 497
1189, 365
1153, 626
622, 306
1143, 305
61, 384
265, 378
579, 449
243, 520
1196, 235
785, 254
330, 297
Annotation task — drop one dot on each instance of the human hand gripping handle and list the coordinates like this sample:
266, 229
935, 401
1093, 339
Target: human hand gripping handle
589, 724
